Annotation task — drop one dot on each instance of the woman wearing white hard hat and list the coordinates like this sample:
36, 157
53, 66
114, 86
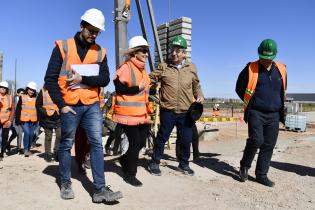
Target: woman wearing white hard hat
6, 115
26, 115
131, 105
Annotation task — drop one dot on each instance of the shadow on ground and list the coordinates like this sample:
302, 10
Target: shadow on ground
294, 168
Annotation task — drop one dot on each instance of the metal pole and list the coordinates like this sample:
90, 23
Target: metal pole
15, 67
121, 19
156, 37
144, 32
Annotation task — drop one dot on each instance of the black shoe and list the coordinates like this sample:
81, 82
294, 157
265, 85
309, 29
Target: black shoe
107, 195
243, 174
196, 158
133, 181
265, 181
186, 170
56, 156
66, 191
48, 157
154, 169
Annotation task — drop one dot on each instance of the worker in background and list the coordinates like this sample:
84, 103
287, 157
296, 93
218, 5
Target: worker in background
261, 85
216, 110
131, 105
179, 88
49, 119
26, 116
16, 130
115, 130
80, 106
7, 112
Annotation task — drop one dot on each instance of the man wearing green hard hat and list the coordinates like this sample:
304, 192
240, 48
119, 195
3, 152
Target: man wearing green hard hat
180, 88
262, 86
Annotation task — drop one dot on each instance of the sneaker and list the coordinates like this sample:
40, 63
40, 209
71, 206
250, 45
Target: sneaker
243, 174
265, 181
132, 180
154, 169
26, 154
186, 170
107, 195
66, 191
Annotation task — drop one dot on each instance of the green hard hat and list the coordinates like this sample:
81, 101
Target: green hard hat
179, 41
267, 49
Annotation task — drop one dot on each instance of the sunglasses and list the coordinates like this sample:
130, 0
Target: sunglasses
143, 50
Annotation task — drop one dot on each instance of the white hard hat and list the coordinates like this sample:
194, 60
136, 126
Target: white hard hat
94, 17
4, 84
32, 85
137, 41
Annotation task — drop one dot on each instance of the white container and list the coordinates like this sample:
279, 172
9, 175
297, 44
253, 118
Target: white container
295, 122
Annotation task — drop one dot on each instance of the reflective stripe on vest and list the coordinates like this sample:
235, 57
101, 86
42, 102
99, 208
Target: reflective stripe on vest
133, 104
5, 109
28, 111
70, 56
48, 104
253, 71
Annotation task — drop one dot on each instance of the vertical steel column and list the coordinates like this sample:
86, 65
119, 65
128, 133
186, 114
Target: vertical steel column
120, 31
156, 37
144, 32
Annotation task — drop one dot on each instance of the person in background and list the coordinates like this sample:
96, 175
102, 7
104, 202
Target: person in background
80, 106
130, 106
180, 87
26, 116
49, 119
6, 116
17, 131
262, 85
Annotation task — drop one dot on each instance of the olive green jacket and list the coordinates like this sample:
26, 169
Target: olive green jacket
179, 88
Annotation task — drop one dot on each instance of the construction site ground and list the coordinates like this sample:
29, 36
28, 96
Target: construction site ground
31, 183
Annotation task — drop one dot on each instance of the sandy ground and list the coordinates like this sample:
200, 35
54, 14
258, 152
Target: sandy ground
31, 183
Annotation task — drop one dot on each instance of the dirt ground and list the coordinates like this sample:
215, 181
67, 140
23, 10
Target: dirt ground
31, 183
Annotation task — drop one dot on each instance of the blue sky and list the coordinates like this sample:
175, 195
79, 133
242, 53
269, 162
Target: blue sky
225, 36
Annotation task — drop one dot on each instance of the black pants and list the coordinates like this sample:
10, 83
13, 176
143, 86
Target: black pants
195, 143
136, 136
263, 129
5, 135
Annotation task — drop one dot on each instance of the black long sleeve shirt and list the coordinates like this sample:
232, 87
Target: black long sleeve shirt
54, 67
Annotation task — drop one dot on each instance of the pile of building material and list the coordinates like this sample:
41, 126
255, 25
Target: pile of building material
167, 31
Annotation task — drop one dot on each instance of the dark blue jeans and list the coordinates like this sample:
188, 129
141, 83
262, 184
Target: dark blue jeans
263, 129
184, 125
89, 117
29, 132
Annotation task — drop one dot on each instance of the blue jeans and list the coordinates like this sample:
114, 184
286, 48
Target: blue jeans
29, 132
89, 117
184, 125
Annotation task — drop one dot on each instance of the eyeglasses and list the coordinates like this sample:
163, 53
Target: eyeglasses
93, 32
178, 50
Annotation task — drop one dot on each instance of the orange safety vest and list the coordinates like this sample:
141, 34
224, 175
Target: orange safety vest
135, 104
28, 111
5, 109
70, 56
253, 78
48, 104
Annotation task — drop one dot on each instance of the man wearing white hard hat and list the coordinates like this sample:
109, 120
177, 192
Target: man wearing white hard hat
26, 116
6, 115
76, 96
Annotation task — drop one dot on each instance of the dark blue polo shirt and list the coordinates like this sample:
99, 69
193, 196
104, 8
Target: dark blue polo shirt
267, 96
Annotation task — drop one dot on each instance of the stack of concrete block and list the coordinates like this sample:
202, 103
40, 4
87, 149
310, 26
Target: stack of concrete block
167, 31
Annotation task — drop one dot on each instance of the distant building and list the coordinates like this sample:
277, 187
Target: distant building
302, 97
